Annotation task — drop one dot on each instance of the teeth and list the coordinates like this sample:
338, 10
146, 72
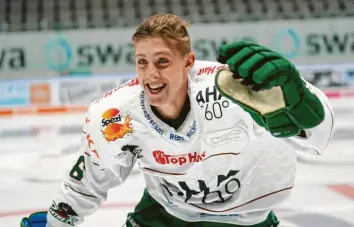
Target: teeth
156, 86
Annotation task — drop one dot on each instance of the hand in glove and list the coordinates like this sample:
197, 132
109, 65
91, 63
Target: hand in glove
269, 88
38, 219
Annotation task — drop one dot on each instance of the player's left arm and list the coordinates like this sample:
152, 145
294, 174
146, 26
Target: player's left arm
270, 88
315, 140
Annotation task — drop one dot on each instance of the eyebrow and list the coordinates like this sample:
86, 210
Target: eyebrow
156, 53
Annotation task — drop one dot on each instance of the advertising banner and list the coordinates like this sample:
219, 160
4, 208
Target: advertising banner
84, 91
69, 91
110, 51
14, 93
25, 93
329, 76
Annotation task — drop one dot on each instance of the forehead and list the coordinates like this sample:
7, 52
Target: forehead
154, 46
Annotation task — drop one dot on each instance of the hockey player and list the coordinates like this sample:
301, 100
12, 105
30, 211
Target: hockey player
216, 141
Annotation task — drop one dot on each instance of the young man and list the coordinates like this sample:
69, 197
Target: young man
216, 141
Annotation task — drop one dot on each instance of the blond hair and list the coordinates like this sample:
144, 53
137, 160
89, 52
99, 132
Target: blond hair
168, 26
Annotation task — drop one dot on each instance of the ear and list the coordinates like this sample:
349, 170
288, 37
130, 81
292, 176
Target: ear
190, 61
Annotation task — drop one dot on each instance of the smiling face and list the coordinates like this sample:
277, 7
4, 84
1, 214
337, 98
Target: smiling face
162, 69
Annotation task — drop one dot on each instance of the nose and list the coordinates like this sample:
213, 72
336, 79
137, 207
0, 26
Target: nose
152, 72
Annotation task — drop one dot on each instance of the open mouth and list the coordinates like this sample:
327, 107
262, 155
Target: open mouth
155, 88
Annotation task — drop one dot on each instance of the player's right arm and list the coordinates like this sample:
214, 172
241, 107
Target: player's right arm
86, 183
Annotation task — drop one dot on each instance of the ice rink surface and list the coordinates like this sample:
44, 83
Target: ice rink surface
36, 151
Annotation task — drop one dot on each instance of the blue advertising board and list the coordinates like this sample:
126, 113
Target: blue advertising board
14, 93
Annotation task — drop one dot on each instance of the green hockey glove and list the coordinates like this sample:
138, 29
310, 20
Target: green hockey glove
269, 88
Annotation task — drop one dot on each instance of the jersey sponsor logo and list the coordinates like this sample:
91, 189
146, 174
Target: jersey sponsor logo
213, 103
133, 149
211, 70
148, 117
204, 192
192, 130
210, 94
114, 126
64, 213
176, 137
189, 134
222, 137
180, 159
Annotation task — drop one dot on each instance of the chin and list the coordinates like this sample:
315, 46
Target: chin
155, 102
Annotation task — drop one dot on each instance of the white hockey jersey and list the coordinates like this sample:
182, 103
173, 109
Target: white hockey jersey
218, 166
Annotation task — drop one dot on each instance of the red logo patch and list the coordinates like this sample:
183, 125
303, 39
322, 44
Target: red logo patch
165, 159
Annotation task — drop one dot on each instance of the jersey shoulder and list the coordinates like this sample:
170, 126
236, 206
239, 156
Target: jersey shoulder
203, 70
124, 96
111, 121
112, 113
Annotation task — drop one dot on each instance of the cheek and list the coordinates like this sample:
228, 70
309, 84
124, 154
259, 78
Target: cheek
179, 76
176, 81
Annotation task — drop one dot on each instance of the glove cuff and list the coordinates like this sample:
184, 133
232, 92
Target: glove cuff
309, 111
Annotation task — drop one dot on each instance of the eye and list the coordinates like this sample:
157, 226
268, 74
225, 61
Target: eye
163, 61
142, 61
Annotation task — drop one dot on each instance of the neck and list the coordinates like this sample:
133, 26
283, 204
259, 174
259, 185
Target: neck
173, 109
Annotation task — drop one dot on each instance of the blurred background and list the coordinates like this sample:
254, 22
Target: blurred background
56, 56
